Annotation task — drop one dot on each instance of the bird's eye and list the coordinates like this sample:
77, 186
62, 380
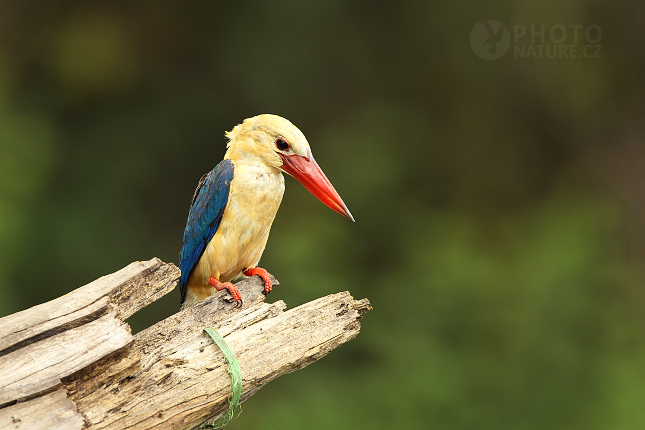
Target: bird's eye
282, 144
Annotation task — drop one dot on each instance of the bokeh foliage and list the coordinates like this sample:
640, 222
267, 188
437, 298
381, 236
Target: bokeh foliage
499, 205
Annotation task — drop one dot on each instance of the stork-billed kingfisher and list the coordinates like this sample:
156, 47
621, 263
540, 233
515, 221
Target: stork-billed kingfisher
235, 203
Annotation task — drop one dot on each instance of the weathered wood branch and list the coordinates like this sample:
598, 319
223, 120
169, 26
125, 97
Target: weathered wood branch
72, 363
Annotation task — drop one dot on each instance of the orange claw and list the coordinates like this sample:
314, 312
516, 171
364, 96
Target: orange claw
262, 273
230, 287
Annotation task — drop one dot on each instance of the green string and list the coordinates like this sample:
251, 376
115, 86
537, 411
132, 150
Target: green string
236, 379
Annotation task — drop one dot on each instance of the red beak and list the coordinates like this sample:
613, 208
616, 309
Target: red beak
311, 176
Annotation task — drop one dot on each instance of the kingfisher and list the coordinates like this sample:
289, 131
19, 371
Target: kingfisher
234, 206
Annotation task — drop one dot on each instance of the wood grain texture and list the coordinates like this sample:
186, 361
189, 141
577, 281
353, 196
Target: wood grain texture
52, 411
169, 376
126, 291
183, 374
39, 367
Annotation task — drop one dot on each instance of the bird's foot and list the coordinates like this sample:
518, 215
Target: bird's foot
230, 287
262, 273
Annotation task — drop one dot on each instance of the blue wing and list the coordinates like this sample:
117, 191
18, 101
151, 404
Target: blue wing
204, 217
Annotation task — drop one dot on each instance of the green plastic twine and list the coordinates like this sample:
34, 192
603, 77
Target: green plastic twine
236, 379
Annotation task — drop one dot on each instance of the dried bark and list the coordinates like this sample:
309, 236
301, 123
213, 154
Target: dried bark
169, 376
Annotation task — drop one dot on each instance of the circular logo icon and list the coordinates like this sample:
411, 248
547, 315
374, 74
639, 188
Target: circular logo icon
489, 39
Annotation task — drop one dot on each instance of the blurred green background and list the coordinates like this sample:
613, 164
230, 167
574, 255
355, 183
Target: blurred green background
500, 205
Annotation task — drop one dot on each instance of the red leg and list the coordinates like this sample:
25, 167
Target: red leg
230, 287
262, 274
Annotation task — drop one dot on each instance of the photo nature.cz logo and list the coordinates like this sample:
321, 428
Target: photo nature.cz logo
491, 39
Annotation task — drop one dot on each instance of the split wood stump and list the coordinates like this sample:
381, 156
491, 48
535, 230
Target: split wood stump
72, 363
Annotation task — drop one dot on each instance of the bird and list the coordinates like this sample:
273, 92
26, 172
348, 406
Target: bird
494, 37
234, 206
